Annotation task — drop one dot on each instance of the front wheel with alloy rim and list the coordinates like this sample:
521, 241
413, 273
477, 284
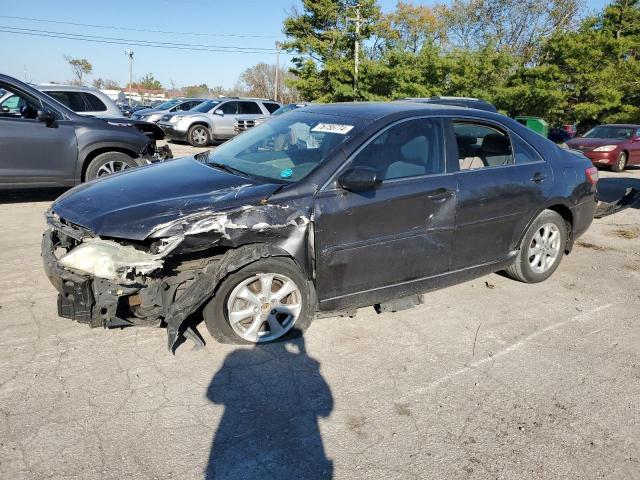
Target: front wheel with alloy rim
108, 163
198, 136
541, 249
260, 303
621, 163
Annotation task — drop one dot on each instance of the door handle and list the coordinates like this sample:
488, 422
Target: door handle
440, 194
538, 177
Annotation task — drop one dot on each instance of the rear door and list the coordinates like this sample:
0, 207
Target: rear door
32, 152
400, 231
502, 181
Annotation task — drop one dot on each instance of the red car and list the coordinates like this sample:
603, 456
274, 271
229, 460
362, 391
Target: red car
615, 146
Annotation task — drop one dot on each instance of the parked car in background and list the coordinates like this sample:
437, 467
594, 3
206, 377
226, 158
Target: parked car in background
170, 106
244, 125
614, 146
558, 136
44, 143
468, 102
83, 100
273, 226
571, 129
215, 120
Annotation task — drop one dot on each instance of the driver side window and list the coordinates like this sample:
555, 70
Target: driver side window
18, 104
408, 149
229, 108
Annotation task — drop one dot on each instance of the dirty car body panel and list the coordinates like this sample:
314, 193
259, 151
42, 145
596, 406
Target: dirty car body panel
170, 233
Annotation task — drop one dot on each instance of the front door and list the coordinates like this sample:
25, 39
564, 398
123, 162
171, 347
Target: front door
396, 233
225, 119
31, 151
502, 181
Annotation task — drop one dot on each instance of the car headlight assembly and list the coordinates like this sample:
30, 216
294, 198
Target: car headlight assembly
606, 148
113, 261
176, 119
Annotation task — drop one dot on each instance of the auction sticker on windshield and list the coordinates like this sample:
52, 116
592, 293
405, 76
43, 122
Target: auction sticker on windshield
332, 128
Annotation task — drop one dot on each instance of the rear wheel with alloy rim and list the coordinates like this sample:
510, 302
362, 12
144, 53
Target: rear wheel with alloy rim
541, 249
261, 303
621, 163
198, 136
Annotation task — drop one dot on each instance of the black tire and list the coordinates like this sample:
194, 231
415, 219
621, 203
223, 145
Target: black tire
521, 269
198, 136
216, 314
621, 163
109, 161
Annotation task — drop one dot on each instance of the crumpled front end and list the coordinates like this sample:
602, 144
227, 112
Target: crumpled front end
163, 279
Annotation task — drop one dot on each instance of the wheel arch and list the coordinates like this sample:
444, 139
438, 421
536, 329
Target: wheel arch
98, 151
562, 209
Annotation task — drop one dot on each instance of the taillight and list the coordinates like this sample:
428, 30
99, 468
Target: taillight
592, 175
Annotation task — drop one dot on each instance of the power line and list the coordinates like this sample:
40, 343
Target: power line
202, 34
140, 43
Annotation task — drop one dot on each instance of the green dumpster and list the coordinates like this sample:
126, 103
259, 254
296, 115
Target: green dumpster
536, 124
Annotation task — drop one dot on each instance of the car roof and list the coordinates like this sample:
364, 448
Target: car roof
72, 88
377, 110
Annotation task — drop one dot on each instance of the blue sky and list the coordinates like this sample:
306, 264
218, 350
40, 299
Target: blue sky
40, 59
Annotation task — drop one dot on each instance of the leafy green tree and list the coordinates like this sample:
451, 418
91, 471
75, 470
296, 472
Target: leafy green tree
323, 37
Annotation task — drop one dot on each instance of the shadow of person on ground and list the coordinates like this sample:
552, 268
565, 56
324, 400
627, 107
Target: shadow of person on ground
273, 395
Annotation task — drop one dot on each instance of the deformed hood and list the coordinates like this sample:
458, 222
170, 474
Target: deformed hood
132, 204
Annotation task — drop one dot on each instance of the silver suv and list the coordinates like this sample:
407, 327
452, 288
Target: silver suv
214, 120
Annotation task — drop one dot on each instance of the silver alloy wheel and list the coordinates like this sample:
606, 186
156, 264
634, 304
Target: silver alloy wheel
111, 167
622, 161
544, 248
264, 307
199, 136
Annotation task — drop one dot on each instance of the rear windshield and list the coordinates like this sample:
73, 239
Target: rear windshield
611, 132
287, 148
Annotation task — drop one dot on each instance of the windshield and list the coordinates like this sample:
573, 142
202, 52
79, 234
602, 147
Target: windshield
287, 148
611, 132
205, 106
167, 105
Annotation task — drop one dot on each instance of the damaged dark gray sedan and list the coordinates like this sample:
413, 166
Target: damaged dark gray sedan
326, 209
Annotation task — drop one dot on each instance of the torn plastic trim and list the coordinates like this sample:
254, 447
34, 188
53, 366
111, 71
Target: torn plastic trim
207, 283
113, 261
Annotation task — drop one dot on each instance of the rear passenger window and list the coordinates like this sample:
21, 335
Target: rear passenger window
408, 149
73, 100
524, 153
95, 104
481, 146
250, 108
271, 107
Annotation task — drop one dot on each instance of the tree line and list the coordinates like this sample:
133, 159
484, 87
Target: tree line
546, 58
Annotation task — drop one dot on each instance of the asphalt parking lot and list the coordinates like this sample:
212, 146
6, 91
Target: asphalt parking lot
488, 379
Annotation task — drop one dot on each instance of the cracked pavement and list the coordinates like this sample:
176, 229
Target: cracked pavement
489, 379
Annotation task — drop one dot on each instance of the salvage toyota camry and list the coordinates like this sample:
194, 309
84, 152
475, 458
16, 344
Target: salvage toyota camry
325, 209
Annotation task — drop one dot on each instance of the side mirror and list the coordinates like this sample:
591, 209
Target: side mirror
46, 117
359, 179
219, 112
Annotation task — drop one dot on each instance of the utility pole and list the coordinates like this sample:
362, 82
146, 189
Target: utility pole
356, 53
278, 46
129, 53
